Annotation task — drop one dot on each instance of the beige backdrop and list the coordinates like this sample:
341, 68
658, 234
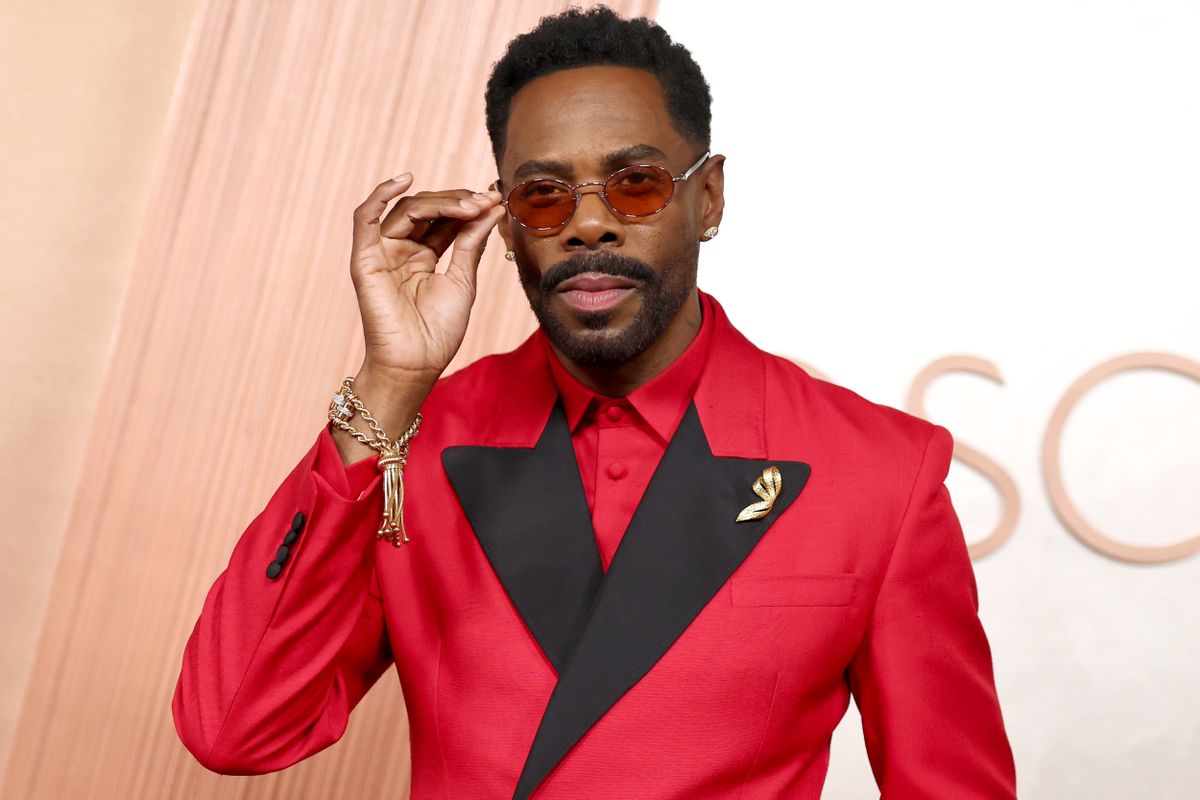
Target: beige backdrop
177, 308
85, 92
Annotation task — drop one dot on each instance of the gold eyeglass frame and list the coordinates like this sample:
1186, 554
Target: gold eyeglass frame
574, 190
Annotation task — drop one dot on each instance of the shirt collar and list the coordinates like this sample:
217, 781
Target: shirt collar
661, 400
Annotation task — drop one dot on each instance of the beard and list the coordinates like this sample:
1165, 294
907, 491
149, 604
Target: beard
599, 344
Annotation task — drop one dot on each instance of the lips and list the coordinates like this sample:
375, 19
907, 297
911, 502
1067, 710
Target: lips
592, 292
595, 282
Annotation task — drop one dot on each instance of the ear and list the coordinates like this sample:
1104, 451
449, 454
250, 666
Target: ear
712, 197
505, 228
505, 224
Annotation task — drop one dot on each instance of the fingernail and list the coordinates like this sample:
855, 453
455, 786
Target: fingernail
403, 176
480, 196
466, 204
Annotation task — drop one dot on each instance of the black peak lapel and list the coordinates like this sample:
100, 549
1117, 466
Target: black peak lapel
681, 546
529, 511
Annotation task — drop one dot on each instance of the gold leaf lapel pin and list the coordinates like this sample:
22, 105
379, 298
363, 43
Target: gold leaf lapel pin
767, 486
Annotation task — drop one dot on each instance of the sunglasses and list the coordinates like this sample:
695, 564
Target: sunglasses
638, 190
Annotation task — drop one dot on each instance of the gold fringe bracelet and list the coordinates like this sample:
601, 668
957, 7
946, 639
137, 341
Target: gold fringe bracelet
392, 458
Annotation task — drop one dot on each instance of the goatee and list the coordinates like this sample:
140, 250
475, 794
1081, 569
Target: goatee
661, 295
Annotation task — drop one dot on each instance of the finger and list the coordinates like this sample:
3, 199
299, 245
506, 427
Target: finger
441, 233
448, 195
469, 246
461, 194
424, 229
437, 233
415, 214
367, 215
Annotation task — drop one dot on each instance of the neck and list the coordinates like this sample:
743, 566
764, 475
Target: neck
621, 379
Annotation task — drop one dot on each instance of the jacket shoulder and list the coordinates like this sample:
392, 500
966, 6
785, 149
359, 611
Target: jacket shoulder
468, 396
840, 414
879, 450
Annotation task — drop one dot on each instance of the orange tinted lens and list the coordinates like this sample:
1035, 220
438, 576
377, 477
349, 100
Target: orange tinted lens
542, 203
638, 191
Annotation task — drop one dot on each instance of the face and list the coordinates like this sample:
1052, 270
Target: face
581, 125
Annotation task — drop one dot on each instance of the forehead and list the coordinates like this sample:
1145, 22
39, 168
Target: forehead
578, 114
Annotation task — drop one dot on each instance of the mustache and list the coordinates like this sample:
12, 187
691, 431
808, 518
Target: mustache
606, 262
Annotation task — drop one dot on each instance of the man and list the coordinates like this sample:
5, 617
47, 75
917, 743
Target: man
646, 558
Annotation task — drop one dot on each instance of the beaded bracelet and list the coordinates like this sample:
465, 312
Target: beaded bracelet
392, 458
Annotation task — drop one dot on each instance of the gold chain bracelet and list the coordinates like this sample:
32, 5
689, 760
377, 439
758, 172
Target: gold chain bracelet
392, 457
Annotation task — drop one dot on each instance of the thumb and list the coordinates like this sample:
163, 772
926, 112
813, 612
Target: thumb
469, 245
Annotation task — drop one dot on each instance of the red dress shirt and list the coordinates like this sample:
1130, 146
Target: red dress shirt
618, 440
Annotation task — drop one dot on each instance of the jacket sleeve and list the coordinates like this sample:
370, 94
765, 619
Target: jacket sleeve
922, 677
275, 665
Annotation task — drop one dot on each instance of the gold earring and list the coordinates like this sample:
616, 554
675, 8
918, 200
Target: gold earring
710, 233
510, 255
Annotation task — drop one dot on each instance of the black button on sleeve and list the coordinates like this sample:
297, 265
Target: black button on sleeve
282, 554
273, 570
298, 521
291, 538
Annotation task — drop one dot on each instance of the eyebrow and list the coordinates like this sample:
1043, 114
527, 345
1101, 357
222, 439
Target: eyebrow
610, 161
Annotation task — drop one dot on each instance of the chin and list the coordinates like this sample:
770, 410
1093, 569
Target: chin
605, 337
618, 316
608, 345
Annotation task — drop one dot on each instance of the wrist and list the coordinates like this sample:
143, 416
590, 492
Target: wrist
398, 380
392, 411
393, 400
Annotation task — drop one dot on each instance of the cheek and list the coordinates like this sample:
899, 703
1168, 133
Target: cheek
529, 275
536, 246
662, 239
675, 225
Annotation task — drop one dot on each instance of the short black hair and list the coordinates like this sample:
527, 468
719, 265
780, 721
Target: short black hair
578, 38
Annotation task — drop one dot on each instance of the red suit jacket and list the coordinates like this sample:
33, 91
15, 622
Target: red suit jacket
714, 658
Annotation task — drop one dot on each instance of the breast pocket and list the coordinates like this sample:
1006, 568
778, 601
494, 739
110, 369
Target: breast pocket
831, 590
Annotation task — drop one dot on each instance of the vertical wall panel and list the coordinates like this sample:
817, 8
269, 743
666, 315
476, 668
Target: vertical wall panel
86, 88
239, 321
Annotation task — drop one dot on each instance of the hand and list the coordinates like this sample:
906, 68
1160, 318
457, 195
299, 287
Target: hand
414, 318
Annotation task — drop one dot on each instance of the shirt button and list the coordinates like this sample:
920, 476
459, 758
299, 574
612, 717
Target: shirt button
614, 413
616, 470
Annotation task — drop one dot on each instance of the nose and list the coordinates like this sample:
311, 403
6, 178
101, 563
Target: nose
593, 224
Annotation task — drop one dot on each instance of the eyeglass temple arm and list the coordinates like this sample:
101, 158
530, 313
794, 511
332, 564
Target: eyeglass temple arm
688, 172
